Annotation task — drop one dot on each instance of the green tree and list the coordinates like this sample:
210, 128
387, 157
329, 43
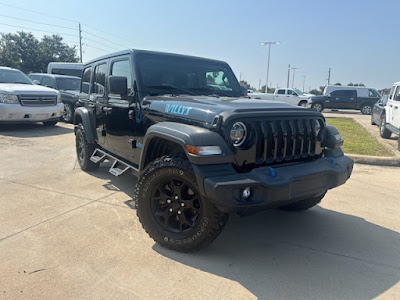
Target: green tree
23, 51
350, 84
244, 82
337, 83
269, 90
315, 92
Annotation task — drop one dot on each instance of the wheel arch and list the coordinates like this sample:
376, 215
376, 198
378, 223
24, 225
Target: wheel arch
167, 138
86, 117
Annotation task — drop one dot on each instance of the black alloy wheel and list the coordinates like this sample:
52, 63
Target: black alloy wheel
175, 205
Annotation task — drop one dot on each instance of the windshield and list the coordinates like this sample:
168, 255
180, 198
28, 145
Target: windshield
68, 72
13, 76
68, 84
298, 92
166, 74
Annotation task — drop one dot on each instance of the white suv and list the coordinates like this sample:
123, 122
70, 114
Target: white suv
23, 101
390, 122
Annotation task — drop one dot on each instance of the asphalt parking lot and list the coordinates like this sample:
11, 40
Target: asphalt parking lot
67, 234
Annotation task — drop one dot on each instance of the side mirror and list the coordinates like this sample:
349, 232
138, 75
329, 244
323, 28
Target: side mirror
37, 82
118, 85
329, 95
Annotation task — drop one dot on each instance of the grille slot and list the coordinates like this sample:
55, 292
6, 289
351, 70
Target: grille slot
38, 100
285, 140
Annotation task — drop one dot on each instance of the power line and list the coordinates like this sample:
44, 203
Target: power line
38, 22
104, 39
37, 12
58, 33
104, 45
109, 34
87, 45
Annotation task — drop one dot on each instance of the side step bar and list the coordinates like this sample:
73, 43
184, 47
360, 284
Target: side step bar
117, 168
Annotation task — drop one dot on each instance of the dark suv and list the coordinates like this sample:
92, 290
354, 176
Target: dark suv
68, 86
200, 149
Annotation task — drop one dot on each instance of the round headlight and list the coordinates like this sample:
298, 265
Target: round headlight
238, 133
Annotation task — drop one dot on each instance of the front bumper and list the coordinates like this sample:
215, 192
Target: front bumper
278, 186
19, 113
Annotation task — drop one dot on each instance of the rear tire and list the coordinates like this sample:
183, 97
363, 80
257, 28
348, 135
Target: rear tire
171, 209
84, 150
303, 204
318, 106
383, 131
366, 109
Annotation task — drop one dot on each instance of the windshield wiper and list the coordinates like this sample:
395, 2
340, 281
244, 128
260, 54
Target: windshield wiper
171, 87
214, 91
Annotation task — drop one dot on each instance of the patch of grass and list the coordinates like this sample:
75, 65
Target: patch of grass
357, 140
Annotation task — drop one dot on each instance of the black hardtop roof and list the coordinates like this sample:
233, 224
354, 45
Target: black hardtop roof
55, 75
135, 51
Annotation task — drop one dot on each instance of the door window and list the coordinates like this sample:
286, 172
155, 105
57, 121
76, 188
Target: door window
85, 85
99, 81
123, 68
281, 92
348, 94
397, 94
372, 93
47, 81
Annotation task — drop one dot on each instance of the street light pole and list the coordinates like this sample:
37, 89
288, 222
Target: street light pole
288, 76
269, 54
294, 72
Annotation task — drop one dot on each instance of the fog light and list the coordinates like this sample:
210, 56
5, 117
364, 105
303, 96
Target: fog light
246, 193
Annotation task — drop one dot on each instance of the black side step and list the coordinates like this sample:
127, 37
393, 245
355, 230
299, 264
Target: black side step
117, 168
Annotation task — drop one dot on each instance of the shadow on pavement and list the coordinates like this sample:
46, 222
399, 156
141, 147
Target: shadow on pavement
320, 254
33, 130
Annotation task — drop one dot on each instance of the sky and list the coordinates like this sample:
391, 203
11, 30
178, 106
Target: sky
356, 39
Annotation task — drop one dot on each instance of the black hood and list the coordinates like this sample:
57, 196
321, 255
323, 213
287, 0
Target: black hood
205, 109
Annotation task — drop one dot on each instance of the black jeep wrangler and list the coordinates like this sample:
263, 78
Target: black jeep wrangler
200, 149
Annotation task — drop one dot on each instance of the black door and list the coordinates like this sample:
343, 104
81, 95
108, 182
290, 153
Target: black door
121, 115
342, 99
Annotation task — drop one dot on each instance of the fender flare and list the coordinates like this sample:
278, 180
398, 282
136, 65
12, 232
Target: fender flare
89, 123
183, 134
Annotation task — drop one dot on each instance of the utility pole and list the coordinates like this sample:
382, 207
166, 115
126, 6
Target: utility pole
288, 76
80, 41
259, 84
304, 81
240, 76
329, 76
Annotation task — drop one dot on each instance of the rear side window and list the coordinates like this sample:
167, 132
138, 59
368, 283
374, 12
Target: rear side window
47, 81
348, 94
99, 81
372, 93
397, 94
281, 92
85, 84
123, 68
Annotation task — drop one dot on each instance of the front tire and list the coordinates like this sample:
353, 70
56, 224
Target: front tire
303, 204
84, 150
171, 209
383, 131
68, 112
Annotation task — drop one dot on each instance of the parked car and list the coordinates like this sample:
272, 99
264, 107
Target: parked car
390, 120
362, 91
284, 95
199, 151
23, 101
63, 68
379, 110
345, 99
68, 86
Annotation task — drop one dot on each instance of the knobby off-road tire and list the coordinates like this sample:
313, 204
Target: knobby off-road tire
303, 204
84, 150
171, 209
383, 131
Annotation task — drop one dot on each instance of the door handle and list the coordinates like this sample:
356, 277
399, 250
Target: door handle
391, 105
396, 107
337, 98
107, 109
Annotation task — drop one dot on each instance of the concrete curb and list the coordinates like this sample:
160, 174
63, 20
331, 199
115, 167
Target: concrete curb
375, 160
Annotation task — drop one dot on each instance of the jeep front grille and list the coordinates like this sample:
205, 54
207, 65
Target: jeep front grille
38, 100
282, 140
